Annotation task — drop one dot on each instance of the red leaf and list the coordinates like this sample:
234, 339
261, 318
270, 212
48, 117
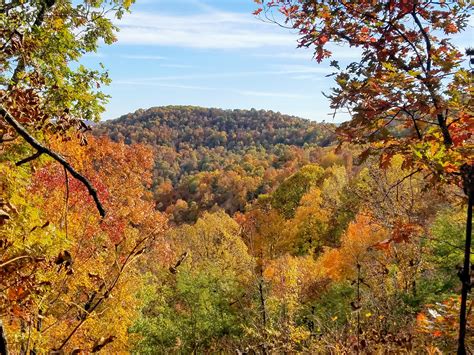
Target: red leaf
323, 39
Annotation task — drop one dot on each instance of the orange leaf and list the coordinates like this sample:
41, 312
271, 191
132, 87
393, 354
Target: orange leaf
383, 245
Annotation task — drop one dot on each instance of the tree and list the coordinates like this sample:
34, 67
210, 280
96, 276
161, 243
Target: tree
197, 305
287, 196
292, 281
409, 77
361, 235
70, 276
309, 226
401, 78
44, 92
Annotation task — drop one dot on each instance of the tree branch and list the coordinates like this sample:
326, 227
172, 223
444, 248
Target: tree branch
13, 260
43, 150
412, 116
21, 65
121, 268
425, 37
28, 159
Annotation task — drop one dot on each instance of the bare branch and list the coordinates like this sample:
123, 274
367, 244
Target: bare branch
15, 259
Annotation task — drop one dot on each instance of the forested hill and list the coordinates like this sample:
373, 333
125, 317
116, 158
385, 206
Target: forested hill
208, 157
182, 127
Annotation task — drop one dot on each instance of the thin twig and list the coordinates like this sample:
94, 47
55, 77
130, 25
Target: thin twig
15, 259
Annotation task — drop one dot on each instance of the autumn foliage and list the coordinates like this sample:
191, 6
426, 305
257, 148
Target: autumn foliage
195, 230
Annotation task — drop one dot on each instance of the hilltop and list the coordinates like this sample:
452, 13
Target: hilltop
206, 157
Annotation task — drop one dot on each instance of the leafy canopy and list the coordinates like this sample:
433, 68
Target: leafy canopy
408, 93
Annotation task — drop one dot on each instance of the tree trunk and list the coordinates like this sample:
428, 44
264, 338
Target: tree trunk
448, 141
262, 304
263, 309
467, 172
3, 340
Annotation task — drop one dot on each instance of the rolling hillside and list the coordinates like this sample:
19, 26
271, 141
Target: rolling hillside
207, 157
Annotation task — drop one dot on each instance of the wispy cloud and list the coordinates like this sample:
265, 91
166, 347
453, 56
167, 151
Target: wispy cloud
307, 77
143, 57
303, 69
284, 70
165, 85
254, 93
339, 52
212, 30
271, 94
297, 54
157, 58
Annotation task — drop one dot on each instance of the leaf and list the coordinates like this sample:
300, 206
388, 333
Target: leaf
414, 73
385, 159
388, 66
383, 245
402, 232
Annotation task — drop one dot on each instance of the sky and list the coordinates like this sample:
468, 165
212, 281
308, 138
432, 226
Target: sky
214, 53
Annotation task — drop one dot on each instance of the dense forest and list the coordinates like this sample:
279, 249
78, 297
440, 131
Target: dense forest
333, 247
207, 158
185, 229
324, 248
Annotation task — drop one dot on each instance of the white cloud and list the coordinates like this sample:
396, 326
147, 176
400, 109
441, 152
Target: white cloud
283, 70
268, 94
307, 77
213, 30
271, 94
339, 52
297, 54
303, 69
165, 85
143, 57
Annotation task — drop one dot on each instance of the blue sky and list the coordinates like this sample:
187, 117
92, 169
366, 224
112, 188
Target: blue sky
213, 53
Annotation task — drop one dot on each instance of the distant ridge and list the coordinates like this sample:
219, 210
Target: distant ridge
266, 128
238, 152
